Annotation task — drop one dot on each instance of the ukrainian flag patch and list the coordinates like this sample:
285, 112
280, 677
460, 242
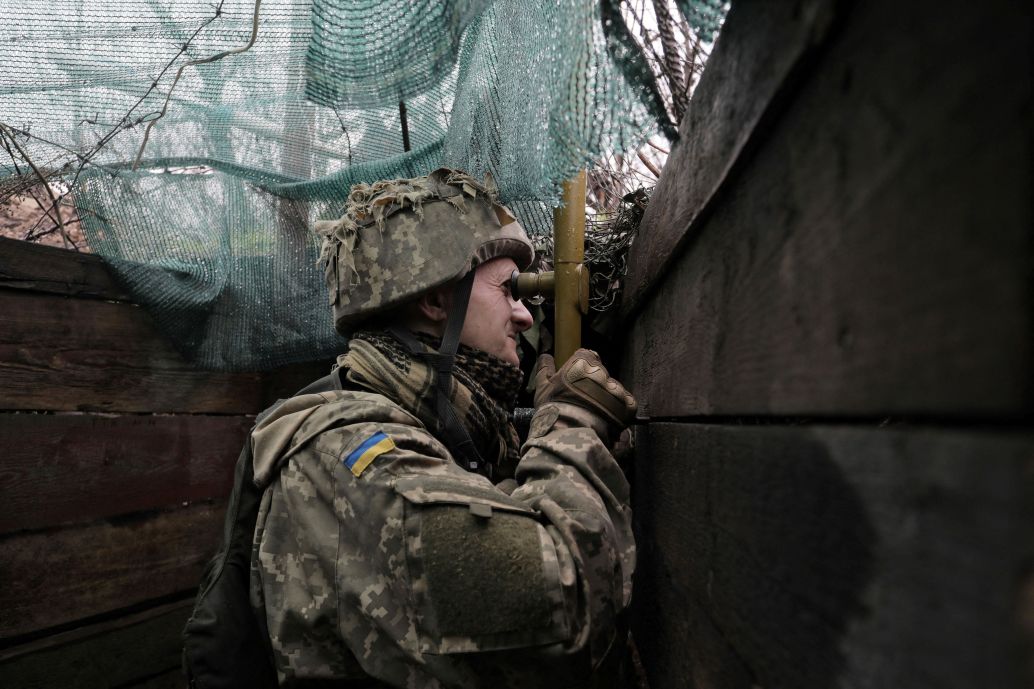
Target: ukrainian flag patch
369, 450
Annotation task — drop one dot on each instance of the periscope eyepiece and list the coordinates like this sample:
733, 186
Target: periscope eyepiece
533, 287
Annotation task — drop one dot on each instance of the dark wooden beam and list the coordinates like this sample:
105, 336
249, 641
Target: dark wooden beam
66, 468
142, 649
56, 576
90, 355
48, 269
873, 256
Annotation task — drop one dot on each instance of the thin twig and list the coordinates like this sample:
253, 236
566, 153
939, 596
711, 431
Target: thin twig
649, 164
659, 148
28, 188
405, 125
445, 113
348, 139
205, 60
124, 123
83, 158
43, 180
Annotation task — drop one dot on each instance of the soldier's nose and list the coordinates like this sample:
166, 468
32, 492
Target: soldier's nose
521, 317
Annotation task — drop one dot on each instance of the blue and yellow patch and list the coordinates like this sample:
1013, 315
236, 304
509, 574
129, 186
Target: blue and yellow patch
369, 450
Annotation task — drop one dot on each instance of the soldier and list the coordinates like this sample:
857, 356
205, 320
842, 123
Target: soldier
403, 534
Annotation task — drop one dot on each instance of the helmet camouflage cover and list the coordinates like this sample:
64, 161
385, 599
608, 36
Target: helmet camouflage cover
399, 238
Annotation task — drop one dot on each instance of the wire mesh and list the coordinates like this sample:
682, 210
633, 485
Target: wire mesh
257, 141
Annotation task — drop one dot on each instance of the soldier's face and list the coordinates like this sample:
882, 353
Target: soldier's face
494, 318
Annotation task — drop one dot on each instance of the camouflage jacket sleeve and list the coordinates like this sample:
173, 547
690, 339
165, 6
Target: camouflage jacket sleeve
373, 546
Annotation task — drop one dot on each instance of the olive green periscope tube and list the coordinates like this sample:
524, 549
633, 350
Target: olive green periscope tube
568, 253
568, 282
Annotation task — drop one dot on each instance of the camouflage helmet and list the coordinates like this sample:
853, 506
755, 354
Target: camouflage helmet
399, 238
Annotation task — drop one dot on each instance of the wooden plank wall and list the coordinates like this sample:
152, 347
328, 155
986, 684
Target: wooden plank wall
116, 457
831, 310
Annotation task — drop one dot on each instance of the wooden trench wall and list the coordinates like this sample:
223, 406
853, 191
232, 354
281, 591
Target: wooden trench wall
116, 458
829, 312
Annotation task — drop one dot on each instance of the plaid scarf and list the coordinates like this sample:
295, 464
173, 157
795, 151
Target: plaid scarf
483, 391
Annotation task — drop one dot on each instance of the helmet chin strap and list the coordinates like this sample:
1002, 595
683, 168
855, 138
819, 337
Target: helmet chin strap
455, 433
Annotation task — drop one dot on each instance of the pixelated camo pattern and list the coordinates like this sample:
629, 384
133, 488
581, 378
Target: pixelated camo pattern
399, 238
483, 392
421, 574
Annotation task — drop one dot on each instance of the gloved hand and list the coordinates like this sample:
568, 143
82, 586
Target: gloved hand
583, 381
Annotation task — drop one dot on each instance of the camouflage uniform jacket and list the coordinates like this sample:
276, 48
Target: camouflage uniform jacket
376, 555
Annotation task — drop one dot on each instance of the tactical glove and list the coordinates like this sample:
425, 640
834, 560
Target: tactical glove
584, 382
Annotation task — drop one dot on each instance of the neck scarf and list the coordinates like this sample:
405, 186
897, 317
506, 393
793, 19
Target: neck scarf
483, 391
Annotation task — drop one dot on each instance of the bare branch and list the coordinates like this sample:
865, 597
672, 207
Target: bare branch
658, 148
43, 180
348, 139
179, 73
649, 164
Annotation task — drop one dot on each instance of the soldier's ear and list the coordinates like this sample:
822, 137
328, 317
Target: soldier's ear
433, 305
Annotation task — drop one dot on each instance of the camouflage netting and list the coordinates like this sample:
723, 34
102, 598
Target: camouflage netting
212, 230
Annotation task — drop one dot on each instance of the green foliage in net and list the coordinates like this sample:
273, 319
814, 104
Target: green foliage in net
212, 230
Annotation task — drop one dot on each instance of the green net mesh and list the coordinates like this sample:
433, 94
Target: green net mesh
706, 16
211, 231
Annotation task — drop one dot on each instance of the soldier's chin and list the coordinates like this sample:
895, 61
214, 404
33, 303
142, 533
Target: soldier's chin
510, 355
